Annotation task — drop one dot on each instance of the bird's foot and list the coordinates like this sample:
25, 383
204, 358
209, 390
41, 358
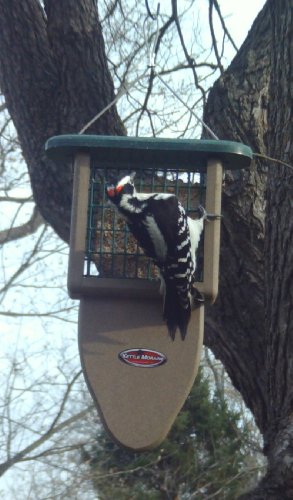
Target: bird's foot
206, 216
197, 297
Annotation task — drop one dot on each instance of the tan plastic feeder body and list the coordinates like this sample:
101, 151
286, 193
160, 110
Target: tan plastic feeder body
138, 377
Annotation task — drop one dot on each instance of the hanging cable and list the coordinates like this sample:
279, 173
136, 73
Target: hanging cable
124, 89
187, 107
148, 42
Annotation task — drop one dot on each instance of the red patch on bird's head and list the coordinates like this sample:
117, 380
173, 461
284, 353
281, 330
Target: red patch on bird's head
112, 191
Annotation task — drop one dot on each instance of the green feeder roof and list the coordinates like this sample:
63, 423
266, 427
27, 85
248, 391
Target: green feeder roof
141, 152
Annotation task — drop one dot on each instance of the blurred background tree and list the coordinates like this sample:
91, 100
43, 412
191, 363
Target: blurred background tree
208, 454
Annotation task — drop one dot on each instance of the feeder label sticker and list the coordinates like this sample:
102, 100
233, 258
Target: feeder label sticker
144, 358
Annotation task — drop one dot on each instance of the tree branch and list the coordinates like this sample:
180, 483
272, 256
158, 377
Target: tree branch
52, 430
190, 60
214, 41
226, 31
3, 107
22, 455
29, 227
234, 328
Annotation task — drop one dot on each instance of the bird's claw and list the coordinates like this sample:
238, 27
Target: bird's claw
206, 216
210, 217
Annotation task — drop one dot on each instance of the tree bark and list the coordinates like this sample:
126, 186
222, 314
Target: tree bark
250, 327
237, 110
279, 257
55, 78
17, 232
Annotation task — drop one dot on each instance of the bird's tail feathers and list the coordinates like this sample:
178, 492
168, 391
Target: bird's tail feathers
177, 310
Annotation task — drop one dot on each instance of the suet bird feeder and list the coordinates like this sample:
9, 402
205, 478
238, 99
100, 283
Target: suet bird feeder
138, 377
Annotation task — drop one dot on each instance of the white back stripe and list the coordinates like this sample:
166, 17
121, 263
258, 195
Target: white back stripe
156, 237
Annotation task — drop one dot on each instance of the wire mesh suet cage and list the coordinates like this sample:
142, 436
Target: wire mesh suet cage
111, 250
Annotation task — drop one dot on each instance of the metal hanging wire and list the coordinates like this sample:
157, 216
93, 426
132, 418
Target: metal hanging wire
124, 89
147, 40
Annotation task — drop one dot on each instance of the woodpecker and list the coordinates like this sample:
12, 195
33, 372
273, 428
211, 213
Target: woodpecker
170, 238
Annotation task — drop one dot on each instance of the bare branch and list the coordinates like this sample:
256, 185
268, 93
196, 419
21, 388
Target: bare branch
51, 314
3, 107
30, 227
15, 199
190, 60
226, 31
24, 265
22, 455
64, 400
214, 41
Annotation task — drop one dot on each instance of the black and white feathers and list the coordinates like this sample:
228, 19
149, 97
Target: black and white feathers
170, 238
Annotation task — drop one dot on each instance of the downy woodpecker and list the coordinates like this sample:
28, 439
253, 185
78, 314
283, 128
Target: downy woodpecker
170, 238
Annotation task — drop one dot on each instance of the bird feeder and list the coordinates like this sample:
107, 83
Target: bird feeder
138, 377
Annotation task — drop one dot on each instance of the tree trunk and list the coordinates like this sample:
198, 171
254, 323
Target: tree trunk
279, 257
250, 327
55, 78
237, 110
